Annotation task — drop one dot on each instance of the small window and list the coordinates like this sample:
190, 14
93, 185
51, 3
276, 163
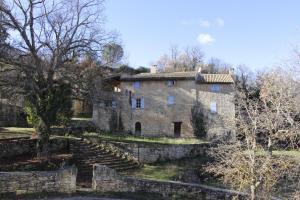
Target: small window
113, 104
116, 89
138, 103
215, 88
171, 100
170, 82
213, 107
137, 85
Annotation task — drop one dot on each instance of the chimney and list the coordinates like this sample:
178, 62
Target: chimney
153, 69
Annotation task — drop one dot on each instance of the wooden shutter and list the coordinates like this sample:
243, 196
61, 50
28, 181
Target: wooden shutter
133, 103
142, 103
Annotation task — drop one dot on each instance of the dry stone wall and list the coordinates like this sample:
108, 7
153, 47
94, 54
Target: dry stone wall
63, 181
16, 147
154, 152
107, 180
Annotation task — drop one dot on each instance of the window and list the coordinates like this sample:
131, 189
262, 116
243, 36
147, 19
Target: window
170, 82
171, 100
117, 89
137, 103
213, 107
113, 104
137, 85
215, 88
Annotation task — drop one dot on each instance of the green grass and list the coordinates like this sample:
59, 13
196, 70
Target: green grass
170, 170
14, 132
158, 172
292, 153
131, 138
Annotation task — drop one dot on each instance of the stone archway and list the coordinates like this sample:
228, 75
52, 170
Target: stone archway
138, 128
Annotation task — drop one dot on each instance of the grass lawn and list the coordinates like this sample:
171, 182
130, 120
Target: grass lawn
14, 132
169, 170
131, 138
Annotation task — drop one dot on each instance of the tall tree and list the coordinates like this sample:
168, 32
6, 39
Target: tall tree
112, 54
52, 36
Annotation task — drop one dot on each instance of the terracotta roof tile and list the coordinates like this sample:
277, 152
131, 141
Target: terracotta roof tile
203, 78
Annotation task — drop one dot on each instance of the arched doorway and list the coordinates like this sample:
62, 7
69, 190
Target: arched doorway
138, 128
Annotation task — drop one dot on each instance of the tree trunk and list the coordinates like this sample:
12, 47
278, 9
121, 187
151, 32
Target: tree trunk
270, 149
43, 131
252, 192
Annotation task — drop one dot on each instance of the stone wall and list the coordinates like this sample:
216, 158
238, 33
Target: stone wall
107, 180
16, 147
149, 153
63, 181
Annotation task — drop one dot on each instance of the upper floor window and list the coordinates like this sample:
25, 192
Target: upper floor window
117, 89
137, 85
213, 107
171, 100
215, 88
137, 103
170, 82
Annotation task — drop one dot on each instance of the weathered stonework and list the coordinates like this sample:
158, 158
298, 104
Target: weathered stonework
157, 117
149, 153
107, 180
16, 147
63, 181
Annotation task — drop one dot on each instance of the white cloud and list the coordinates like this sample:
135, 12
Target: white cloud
204, 23
205, 38
220, 22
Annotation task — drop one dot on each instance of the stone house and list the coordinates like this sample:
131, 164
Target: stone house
160, 104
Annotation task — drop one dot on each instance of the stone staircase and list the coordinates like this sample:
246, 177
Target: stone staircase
85, 154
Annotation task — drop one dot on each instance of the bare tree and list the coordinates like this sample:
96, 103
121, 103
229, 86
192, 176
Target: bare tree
249, 165
52, 37
177, 60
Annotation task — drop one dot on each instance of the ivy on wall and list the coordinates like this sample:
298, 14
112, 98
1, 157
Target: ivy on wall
198, 120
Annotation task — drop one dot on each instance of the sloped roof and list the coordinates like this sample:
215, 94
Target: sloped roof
204, 78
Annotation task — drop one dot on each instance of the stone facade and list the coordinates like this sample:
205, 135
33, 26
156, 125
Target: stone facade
107, 180
160, 104
63, 181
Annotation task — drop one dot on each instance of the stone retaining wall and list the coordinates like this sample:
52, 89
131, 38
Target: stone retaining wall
107, 180
154, 152
63, 180
16, 147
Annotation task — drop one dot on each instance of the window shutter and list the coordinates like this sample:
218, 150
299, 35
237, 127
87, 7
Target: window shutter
133, 103
142, 103
213, 107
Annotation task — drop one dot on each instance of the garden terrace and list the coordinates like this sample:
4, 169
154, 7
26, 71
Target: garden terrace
138, 139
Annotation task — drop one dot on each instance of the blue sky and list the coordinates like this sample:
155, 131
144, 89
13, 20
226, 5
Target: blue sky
257, 33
